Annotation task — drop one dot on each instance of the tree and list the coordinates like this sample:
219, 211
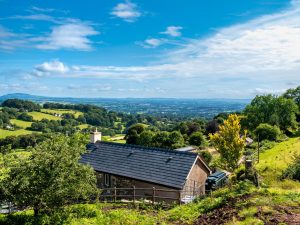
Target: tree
293, 94
229, 142
145, 139
176, 140
212, 127
267, 132
273, 110
133, 133
206, 155
52, 177
197, 139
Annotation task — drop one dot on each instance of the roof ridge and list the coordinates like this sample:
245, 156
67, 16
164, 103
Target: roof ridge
148, 148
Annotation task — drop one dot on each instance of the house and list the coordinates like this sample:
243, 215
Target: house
125, 166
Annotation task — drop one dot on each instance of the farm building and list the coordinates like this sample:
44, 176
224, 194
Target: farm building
179, 174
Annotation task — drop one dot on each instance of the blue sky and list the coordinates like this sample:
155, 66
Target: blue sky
138, 48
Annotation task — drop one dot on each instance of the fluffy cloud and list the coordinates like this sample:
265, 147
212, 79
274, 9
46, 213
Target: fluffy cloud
52, 67
173, 31
127, 11
69, 36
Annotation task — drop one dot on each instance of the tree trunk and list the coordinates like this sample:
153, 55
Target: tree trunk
35, 212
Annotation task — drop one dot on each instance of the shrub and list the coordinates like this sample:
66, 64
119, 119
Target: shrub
197, 139
206, 155
293, 170
267, 132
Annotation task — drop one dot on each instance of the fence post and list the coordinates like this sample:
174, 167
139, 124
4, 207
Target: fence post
153, 196
115, 194
179, 197
134, 195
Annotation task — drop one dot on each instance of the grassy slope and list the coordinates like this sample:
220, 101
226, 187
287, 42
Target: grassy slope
275, 160
6, 133
39, 116
20, 123
61, 111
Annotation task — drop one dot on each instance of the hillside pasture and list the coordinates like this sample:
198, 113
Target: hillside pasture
62, 111
21, 123
38, 116
6, 133
275, 160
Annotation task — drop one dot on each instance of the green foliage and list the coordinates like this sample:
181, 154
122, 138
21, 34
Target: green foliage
22, 105
25, 117
52, 177
197, 139
206, 155
273, 110
267, 132
293, 170
229, 143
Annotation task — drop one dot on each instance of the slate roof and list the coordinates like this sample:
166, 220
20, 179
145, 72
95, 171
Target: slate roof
165, 167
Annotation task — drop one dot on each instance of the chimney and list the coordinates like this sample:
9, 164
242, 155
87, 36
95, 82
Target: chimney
95, 136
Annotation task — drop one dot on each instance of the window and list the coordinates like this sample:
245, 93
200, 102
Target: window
107, 180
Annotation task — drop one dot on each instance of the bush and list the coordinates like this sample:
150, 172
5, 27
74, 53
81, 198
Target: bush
267, 132
197, 139
25, 117
293, 170
206, 155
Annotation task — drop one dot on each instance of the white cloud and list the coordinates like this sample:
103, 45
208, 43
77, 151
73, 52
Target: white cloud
48, 68
152, 43
263, 53
127, 11
69, 36
173, 31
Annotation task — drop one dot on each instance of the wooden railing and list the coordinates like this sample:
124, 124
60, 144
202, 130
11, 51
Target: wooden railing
150, 195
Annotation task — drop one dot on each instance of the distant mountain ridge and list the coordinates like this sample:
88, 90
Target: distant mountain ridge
155, 106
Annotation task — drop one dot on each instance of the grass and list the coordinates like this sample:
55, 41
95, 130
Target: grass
62, 111
275, 160
83, 126
20, 123
39, 116
6, 133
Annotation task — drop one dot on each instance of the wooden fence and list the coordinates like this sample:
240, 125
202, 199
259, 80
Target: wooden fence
150, 195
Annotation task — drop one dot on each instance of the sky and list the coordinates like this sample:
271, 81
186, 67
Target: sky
149, 49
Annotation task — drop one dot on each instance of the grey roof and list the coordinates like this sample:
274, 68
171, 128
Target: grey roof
165, 167
186, 149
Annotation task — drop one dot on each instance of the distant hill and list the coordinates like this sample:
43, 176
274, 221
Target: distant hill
206, 108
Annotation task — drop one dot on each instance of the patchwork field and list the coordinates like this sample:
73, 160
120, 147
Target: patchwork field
20, 123
39, 116
62, 111
6, 133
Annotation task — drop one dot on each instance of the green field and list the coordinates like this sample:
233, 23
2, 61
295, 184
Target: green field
83, 126
275, 160
39, 116
6, 133
62, 111
20, 123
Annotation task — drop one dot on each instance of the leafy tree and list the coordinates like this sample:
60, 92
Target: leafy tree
145, 139
21, 105
273, 110
229, 143
176, 140
161, 139
293, 94
133, 133
267, 132
212, 127
197, 139
25, 117
52, 177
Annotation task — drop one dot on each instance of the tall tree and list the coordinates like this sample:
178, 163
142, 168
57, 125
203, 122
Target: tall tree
52, 177
229, 142
273, 110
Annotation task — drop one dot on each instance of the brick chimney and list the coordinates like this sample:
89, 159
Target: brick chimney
95, 136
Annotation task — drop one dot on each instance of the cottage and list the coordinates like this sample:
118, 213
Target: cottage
125, 166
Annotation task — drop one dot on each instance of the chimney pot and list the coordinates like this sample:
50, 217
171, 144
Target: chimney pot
95, 136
